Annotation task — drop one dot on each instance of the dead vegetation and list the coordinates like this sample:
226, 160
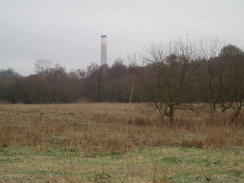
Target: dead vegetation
112, 128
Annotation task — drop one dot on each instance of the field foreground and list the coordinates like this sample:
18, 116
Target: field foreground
117, 143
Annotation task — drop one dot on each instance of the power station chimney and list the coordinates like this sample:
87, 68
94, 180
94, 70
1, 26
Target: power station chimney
103, 49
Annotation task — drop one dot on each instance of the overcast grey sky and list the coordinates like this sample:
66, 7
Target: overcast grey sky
68, 31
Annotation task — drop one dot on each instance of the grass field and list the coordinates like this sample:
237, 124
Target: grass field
117, 143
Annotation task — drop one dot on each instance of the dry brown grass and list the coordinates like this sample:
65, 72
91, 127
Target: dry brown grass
112, 128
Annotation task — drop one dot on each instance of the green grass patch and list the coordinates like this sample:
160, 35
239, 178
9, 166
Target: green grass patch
166, 164
18, 151
100, 177
171, 160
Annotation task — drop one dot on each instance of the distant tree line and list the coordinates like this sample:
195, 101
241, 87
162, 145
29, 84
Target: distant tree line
53, 84
171, 77
8, 73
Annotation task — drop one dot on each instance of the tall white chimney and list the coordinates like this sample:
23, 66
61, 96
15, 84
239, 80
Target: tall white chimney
103, 49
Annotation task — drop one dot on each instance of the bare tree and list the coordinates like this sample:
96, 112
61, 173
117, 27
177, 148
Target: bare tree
234, 56
42, 65
213, 77
222, 78
91, 82
166, 75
